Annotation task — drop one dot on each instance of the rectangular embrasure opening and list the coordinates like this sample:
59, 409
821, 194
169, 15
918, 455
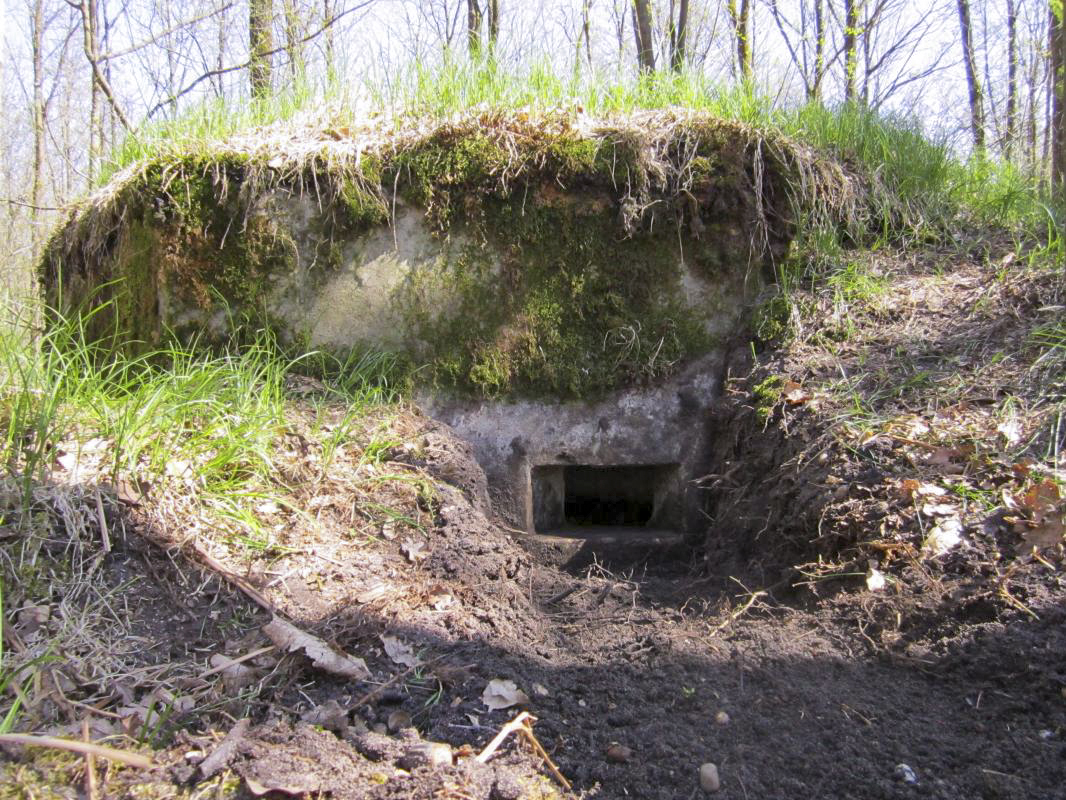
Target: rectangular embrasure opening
615, 496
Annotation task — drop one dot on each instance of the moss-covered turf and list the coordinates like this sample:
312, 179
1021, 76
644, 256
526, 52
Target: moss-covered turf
563, 251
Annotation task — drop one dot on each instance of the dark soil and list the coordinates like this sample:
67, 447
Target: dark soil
763, 652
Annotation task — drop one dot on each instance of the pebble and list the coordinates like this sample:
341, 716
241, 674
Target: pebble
398, 720
906, 774
709, 780
426, 754
721, 718
619, 753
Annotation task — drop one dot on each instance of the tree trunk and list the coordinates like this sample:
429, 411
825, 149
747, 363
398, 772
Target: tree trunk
851, 52
1057, 46
260, 43
473, 27
815, 91
740, 19
973, 83
1012, 81
293, 40
328, 12
678, 39
642, 31
494, 23
586, 29
37, 48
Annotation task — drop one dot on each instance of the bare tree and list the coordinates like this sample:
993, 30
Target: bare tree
678, 35
642, 30
741, 19
805, 39
1011, 132
851, 53
973, 82
260, 45
494, 23
1057, 48
473, 26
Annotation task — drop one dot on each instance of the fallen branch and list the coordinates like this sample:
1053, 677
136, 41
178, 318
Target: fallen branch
523, 724
226, 750
82, 748
738, 613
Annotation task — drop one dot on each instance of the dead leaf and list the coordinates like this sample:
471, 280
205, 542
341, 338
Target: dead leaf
324, 656
875, 579
295, 786
943, 537
331, 716
794, 394
929, 490
400, 652
1041, 498
234, 676
374, 591
1011, 431
501, 693
939, 510
440, 598
1047, 534
414, 550
178, 468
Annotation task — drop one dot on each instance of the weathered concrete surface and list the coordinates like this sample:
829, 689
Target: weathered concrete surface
665, 424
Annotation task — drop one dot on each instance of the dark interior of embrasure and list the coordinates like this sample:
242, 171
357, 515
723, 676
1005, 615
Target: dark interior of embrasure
634, 497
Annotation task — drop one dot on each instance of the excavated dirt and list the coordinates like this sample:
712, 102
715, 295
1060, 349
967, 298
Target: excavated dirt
766, 652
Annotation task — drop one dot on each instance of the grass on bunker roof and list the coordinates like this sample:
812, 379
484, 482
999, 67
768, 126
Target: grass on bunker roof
921, 179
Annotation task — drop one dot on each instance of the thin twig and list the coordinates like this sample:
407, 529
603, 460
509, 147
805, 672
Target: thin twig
90, 764
74, 746
523, 724
738, 613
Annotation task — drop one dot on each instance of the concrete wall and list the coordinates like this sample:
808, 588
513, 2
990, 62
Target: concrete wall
665, 424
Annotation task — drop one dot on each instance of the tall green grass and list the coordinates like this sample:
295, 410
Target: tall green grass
216, 412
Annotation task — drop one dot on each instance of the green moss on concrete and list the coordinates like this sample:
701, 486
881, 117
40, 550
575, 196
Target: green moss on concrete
573, 310
561, 272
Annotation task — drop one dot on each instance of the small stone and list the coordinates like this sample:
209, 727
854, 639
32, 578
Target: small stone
380, 727
426, 754
709, 780
906, 774
398, 720
619, 753
721, 718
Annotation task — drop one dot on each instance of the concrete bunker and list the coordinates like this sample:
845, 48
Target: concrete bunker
563, 296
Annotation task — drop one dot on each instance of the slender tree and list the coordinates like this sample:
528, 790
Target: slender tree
973, 82
494, 23
1057, 48
642, 32
678, 35
741, 19
260, 45
1011, 132
851, 53
474, 15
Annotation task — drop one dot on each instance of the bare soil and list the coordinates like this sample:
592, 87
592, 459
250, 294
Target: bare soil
764, 651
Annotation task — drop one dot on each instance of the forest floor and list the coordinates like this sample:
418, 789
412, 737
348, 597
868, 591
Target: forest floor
893, 627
